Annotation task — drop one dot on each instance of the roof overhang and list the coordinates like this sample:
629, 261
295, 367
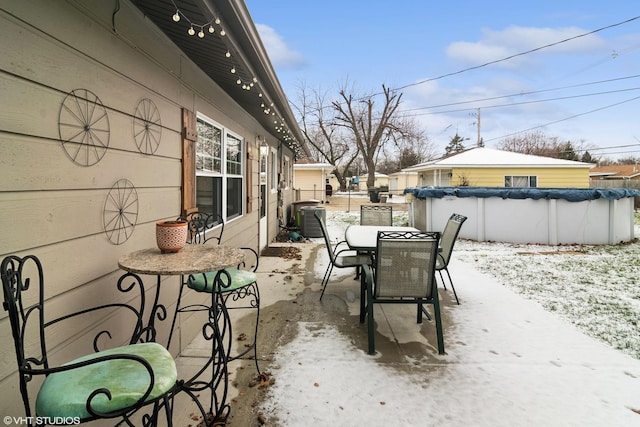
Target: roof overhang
253, 84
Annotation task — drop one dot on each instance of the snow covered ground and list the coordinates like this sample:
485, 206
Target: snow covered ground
544, 336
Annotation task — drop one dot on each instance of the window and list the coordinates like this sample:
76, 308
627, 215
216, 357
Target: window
520, 181
219, 170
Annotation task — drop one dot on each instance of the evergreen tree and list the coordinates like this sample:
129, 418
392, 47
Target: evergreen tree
455, 145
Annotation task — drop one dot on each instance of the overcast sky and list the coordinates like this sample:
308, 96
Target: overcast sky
574, 71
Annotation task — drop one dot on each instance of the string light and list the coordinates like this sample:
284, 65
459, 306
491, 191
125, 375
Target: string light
199, 29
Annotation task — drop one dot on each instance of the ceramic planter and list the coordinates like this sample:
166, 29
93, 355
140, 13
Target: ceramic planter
171, 236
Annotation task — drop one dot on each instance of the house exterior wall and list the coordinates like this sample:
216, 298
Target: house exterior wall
547, 177
53, 207
310, 183
399, 181
436, 178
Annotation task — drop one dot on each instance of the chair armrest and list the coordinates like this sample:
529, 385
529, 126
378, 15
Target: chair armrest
250, 264
342, 242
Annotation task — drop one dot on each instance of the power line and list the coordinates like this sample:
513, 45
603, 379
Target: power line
533, 92
517, 54
565, 119
513, 104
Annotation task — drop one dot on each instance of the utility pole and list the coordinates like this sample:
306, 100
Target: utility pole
479, 140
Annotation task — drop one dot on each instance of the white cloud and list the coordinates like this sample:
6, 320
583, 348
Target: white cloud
495, 45
280, 54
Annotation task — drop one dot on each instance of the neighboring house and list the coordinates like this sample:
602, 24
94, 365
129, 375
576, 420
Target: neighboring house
311, 180
487, 167
380, 180
113, 117
614, 173
398, 181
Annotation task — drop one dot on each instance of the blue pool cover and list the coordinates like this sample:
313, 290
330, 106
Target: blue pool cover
569, 194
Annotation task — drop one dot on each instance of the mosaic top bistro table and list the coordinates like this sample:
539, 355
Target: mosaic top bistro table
192, 260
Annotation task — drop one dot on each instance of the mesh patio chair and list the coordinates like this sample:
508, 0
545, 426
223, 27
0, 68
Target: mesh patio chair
376, 215
109, 383
449, 236
338, 260
404, 274
238, 288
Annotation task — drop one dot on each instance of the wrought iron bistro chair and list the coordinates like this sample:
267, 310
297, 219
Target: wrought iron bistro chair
449, 236
376, 215
404, 274
112, 383
236, 284
340, 261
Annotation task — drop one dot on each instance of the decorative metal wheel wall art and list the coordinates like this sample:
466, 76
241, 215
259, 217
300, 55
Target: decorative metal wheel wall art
147, 127
83, 125
120, 213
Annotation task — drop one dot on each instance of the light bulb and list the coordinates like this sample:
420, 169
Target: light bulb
238, 81
233, 70
201, 33
211, 29
191, 31
176, 17
217, 21
222, 33
228, 54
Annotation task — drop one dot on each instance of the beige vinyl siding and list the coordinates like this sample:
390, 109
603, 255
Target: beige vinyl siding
547, 177
52, 207
310, 183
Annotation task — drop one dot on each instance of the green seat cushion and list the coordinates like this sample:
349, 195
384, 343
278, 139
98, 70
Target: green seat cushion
64, 394
239, 279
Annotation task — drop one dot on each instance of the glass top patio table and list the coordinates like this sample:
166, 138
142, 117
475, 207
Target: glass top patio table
365, 237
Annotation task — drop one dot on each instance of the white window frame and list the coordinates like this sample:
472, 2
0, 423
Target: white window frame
510, 180
227, 167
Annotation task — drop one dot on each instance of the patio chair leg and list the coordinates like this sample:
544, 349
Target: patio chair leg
436, 314
325, 279
452, 287
363, 295
371, 329
444, 284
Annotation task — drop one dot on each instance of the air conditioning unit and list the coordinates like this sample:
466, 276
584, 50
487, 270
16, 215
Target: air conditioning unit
309, 226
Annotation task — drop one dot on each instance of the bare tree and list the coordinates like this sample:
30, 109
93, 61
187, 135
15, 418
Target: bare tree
539, 144
350, 130
370, 128
536, 143
327, 141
